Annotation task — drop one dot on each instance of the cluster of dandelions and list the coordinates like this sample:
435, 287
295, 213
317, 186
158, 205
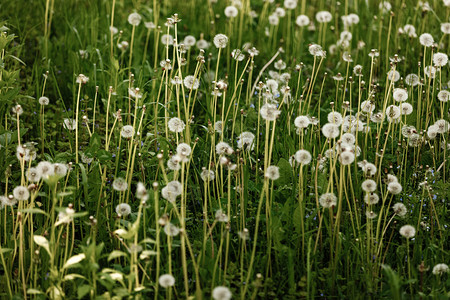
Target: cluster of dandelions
43, 171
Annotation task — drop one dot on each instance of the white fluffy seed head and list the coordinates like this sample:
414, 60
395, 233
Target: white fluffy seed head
176, 125
328, 200
123, 209
134, 19
272, 173
399, 209
220, 40
408, 231
330, 130
303, 157
166, 280
426, 39
221, 293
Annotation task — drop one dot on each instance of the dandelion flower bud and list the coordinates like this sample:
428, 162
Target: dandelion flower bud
220, 40
21, 193
176, 125
123, 209
134, 19
272, 173
120, 184
407, 231
328, 200
166, 280
440, 269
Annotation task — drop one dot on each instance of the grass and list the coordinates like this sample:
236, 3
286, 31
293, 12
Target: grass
171, 170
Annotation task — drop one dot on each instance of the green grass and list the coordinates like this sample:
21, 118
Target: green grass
260, 236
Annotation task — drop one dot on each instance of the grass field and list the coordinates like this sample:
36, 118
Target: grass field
216, 149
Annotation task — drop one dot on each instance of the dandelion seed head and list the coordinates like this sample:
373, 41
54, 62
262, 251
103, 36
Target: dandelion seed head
123, 209
440, 269
166, 280
272, 173
399, 209
328, 200
21, 193
220, 40
221, 293
302, 20
407, 231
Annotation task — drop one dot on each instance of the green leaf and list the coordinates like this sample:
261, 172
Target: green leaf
286, 173
84, 179
42, 242
34, 211
83, 290
116, 254
74, 260
5, 250
103, 155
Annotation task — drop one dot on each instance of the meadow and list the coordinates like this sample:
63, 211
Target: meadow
224, 149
